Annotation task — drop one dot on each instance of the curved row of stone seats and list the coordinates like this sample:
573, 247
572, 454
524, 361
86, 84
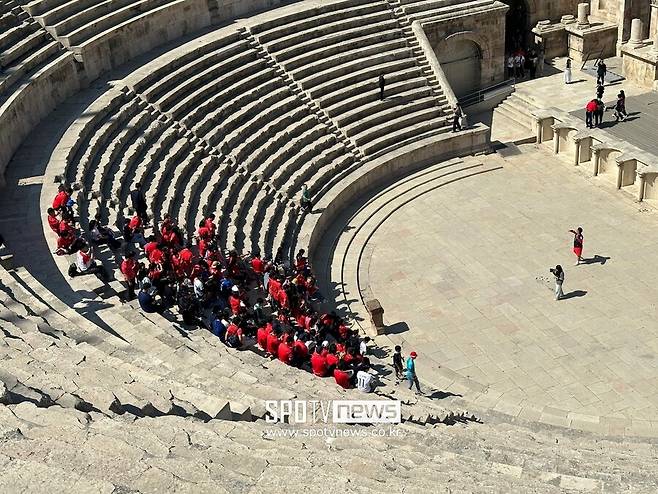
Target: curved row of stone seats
230, 97
66, 449
337, 53
25, 48
75, 23
423, 10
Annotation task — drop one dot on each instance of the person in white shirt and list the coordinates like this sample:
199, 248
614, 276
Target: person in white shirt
85, 264
365, 381
363, 346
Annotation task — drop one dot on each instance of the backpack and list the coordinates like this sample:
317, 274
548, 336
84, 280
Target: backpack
233, 341
73, 270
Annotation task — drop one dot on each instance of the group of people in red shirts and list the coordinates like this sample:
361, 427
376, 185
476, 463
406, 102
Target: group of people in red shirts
200, 279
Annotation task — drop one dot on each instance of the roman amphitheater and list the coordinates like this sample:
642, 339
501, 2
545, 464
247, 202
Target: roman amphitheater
420, 234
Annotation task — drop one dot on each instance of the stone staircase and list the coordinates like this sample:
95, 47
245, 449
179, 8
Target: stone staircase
512, 118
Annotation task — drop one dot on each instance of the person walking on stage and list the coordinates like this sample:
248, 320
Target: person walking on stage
601, 71
558, 272
598, 114
620, 107
567, 72
578, 244
589, 113
382, 85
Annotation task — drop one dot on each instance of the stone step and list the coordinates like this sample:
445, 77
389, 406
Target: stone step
105, 19
306, 43
337, 55
304, 20
368, 92
162, 76
101, 137
382, 111
400, 69
348, 69
82, 14
252, 80
32, 61
183, 84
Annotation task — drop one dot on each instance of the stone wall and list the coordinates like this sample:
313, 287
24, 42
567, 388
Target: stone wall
485, 28
539, 10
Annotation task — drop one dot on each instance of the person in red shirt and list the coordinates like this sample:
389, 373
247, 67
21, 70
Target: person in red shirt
285, 351
187, 258
273, 343
300, 352
157, 256
332, 358
258, 267
129, 268
590, 108
261, 337
61, 199
343, 375
65, 243
319, 363
234, 334
151, 245
53, 220
209, 223
234, 300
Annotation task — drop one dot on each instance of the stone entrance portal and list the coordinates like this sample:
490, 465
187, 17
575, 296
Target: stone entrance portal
517, 25
461, 60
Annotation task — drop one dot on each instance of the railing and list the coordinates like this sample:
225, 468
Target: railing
598, 57
485, 93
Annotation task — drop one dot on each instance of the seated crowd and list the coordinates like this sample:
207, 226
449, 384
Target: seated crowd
240, 299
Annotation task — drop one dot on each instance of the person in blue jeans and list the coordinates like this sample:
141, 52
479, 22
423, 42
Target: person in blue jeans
412, 378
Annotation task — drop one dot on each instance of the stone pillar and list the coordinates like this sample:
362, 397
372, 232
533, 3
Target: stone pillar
636, 33
640, 194
620, 173
540, 128
376, 312
576, 153
583, 11
597, 156
556, 141
653, 25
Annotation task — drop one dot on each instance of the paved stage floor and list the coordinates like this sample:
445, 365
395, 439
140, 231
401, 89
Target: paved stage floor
641, 127
466, 268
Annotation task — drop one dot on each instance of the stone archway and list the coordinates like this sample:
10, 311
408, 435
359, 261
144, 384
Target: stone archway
461, 59
466, 58
517, 25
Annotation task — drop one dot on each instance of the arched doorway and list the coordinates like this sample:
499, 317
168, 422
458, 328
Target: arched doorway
517, 26
461, 60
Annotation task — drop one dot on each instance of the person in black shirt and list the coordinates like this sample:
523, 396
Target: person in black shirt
397, 364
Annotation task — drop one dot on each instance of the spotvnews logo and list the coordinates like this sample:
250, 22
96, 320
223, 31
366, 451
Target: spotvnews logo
333, 411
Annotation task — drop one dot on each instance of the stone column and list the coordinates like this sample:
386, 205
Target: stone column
636, 33
653, 26
540, 127
640, 194
583, 11
576, 153
597, 156
620, 173
556, 141
653, 22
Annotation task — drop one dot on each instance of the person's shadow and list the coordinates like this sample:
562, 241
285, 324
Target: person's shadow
574, 294
597, 259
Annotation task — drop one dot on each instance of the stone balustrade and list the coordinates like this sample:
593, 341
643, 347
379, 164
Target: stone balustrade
627, 166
